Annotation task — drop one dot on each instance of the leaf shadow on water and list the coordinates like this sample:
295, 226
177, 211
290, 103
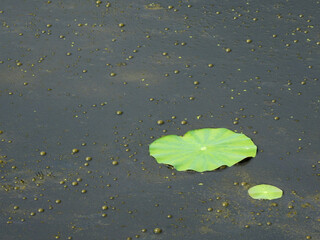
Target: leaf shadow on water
244, 161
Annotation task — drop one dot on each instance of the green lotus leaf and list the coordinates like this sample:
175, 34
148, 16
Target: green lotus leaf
203, 149
265, 191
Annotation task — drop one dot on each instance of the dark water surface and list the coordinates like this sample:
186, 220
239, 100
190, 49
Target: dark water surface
72, 168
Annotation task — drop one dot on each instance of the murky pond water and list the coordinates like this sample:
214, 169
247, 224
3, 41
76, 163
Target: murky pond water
84, 83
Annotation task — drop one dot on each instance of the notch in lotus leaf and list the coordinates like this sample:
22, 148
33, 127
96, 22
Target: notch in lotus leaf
203, 149
265, 191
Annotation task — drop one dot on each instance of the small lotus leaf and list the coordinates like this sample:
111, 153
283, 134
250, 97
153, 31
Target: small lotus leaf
203, 149
265, 191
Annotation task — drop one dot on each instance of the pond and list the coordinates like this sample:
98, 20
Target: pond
86, 86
